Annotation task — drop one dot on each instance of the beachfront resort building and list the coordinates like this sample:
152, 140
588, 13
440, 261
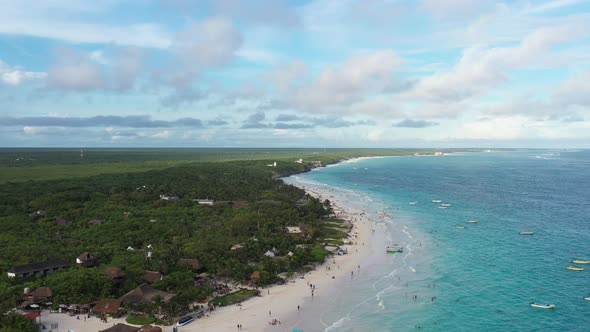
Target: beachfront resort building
145, 293
293, 230
204, 201
86, 260
169, 198
110, 307
41, 269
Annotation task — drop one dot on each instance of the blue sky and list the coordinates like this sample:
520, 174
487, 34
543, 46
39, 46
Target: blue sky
299, 73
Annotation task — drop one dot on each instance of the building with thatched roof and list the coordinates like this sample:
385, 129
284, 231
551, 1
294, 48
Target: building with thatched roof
145, 293
150, 328
120, 327
86, 259
193, 263
152, 276
41, 294
107, 307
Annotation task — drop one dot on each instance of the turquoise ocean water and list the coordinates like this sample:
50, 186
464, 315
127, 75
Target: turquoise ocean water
482, 277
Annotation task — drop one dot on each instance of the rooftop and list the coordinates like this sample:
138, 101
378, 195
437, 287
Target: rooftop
39, 266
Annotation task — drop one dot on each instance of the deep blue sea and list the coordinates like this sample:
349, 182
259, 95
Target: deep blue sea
482, 277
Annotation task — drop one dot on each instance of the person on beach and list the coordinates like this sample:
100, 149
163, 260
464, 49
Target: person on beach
298, 308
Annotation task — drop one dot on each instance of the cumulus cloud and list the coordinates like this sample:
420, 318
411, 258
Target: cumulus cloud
207, 44
16, 76
80, 71
75, 71
409, 123
128, 67
288, 117
255, 121
482, 68
357, 78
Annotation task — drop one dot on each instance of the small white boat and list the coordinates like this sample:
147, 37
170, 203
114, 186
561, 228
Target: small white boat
442, 207
393, 250
587, 298
574, 268
542, 306
413, 203
460, 227
445, 204
436, 201
472, 221
526, 233
578, 261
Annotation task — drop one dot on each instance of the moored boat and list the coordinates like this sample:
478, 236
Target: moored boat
436, 201
526, 233
413, 203
445, 204
587, 298
575, 268
579, 261
392, 249
460, 227
542, 306
472, 221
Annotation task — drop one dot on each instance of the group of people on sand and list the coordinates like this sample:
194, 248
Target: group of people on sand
274, 322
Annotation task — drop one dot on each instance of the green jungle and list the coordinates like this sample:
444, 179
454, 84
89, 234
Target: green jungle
137, 210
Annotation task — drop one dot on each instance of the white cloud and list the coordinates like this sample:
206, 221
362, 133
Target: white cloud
502, 128
75, 21
75, 71
211, 42
454, 8
16, 76
481, 68
552, 5
575, 90
336, 87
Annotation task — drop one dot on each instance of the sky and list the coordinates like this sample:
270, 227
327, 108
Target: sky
295, 73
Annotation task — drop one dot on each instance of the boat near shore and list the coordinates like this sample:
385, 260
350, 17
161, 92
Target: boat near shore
575, 268
587, 298
445, 204
526, 233
542, 306
472, 221
393, 249
460, 227
436, 201
579, 261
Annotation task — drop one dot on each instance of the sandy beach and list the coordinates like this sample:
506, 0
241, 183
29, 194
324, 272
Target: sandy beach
285, 303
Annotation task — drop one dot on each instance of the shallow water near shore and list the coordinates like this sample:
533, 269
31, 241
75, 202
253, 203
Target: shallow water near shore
482, 277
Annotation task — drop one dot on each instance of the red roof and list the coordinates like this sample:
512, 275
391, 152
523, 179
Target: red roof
32, 315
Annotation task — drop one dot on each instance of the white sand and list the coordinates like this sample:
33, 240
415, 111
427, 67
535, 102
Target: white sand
281, 300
